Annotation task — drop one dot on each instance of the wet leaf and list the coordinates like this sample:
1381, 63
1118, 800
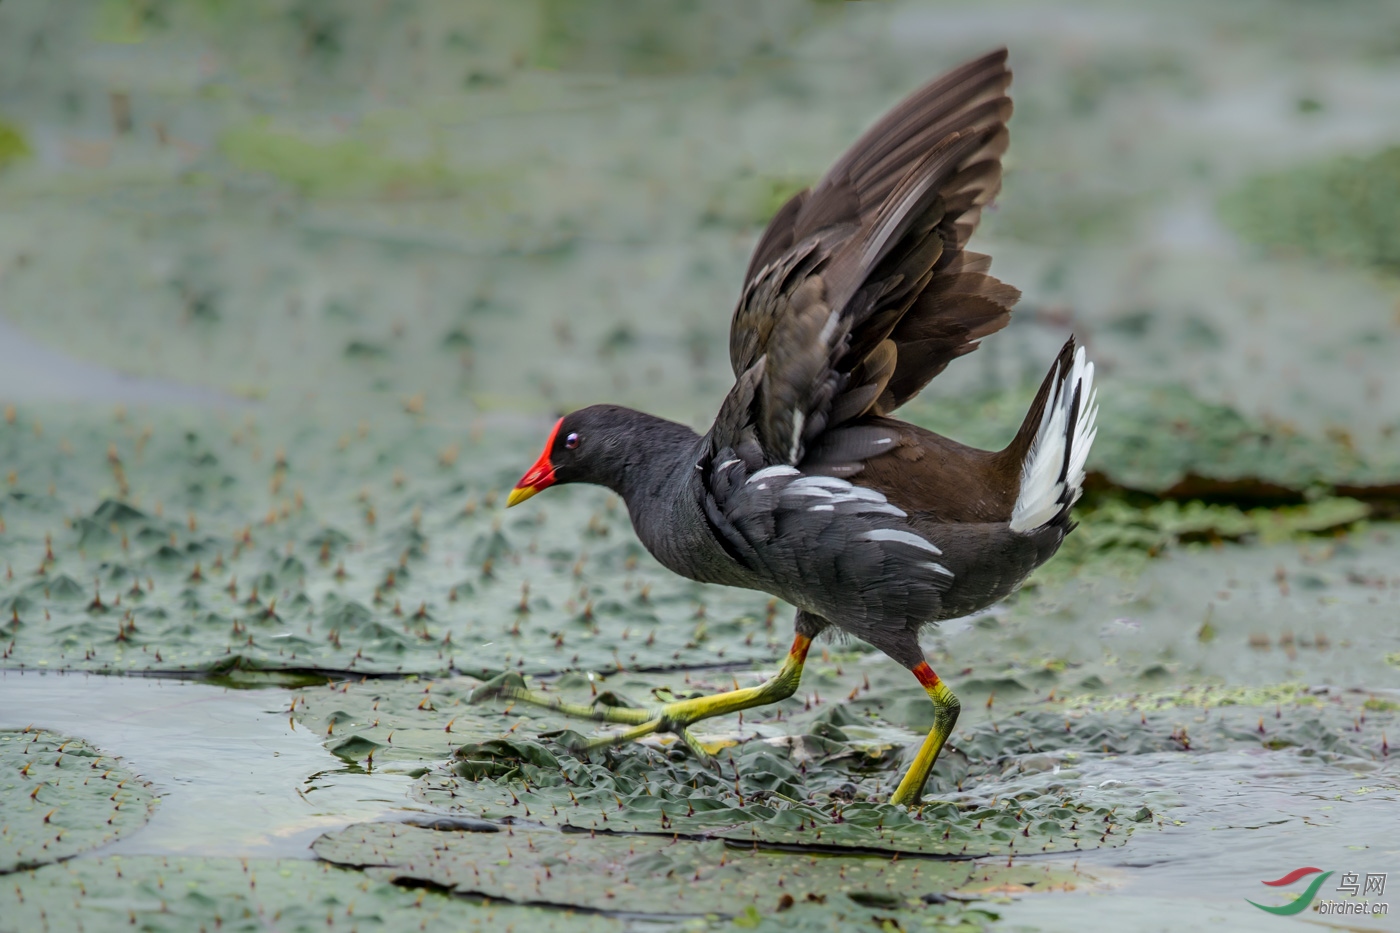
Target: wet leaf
660, 875
60, 796
174, 894
432, 584
763, 792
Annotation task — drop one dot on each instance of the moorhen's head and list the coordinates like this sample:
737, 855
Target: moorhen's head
586, 446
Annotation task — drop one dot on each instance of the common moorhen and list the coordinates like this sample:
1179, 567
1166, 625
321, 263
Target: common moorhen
859, 292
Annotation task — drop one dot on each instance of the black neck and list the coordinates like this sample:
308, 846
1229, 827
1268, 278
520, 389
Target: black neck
657, 453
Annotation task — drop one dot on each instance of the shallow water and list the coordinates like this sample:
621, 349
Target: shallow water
1241, 817
235, 777
31, 371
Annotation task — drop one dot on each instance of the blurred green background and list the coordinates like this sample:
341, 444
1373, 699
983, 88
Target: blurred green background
290, 292
513, 208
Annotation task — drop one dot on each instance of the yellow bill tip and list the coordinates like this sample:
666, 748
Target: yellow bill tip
519, 494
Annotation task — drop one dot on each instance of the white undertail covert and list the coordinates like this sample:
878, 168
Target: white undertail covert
1052, 478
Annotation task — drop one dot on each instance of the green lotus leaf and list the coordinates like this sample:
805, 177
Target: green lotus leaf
661, 876
60, 796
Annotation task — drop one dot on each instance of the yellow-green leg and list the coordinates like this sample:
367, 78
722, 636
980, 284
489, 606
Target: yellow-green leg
945, 715
674, 717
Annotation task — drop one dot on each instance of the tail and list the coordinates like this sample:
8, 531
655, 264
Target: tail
1053, 443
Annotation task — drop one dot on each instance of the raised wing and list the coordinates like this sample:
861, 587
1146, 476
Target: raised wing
860, 291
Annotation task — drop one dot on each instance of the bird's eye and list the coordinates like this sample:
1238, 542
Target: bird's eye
571, 441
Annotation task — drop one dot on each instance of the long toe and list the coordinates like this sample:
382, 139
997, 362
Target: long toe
697, 748
616, 738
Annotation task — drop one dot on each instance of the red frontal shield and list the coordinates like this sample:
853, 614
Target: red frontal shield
538, 477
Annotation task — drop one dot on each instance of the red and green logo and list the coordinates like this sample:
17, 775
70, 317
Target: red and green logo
1301, 903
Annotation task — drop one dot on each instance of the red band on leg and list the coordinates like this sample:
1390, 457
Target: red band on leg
800, 644
926, 675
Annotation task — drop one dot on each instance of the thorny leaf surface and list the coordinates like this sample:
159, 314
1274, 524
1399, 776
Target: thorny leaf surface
659, 875
173, 894
60, 796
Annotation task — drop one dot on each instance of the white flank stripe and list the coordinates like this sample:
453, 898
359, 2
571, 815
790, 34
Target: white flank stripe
880, 508
859, 494
728, 463
771, 472
796, 488
838, 490
819, 482
821, 508
938, 568
834, 491
903, 537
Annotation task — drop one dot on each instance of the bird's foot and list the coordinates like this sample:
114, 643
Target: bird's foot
584, 746
511, 686
697, 748
676, 717
703, 751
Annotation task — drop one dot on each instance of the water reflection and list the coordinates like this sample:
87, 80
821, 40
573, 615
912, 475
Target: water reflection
236, 778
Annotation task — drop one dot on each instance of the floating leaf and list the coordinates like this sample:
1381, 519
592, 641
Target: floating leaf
659, 875
60, 796
167, 894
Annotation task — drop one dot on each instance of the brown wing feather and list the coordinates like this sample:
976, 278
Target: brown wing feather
857, 185
971, 95
859, 291
954, 312
777, 236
